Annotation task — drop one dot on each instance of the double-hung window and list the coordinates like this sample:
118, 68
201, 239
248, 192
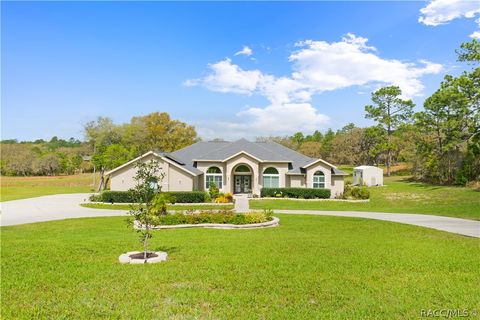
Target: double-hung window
271, 178
318, 180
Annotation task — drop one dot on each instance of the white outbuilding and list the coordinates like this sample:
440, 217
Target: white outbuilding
368, 176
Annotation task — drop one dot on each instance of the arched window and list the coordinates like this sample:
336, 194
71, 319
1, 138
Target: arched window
242, 169
271, 178
318, 180
213, 175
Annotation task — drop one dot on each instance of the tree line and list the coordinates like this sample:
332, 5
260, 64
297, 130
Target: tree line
441, 143
106, 146
40, 157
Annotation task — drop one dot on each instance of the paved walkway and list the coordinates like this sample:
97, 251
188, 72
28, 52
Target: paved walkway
65, 206
464, 227
241, 203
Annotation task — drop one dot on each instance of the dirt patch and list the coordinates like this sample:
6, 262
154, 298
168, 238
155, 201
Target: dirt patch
141, 255
406, 196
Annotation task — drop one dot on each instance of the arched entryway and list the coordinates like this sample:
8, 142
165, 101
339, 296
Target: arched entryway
242, 179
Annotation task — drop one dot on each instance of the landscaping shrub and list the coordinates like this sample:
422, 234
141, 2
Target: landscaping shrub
95, 198
356, 192
224, 198
188, 196
116, 196
213, 190
305, 193
126, 196
211, 216
254, 217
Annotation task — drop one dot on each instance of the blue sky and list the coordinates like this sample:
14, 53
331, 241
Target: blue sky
64, 64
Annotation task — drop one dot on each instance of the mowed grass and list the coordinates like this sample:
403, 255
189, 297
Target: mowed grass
310, 267
399, 195
13, 188
170, 207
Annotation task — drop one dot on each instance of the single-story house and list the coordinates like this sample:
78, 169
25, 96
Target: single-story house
368, 176
237, 167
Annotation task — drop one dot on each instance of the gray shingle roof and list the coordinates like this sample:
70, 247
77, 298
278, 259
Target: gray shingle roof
338, 172
221, 150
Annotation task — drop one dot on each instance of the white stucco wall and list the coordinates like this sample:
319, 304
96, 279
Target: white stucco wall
296, 181
319, 167
256, 168
249, 161
338, 186
282, 170
179, 180
203, 166
175, 179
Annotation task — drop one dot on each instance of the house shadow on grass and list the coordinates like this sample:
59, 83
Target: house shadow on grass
424, 185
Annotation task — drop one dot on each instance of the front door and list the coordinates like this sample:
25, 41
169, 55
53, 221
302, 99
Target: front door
243, 184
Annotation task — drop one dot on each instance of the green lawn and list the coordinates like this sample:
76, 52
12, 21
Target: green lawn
398, 195
13, 188
310, 267
170, 207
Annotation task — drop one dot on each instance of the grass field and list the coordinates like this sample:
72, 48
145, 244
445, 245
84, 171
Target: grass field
398, 195
310, 267
170, 207
13, 188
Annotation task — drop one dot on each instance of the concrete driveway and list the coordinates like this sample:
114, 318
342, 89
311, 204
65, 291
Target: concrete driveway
465, 227
54, 207
65, 206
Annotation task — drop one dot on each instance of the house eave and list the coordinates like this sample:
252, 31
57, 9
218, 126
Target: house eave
319, 160
155, 154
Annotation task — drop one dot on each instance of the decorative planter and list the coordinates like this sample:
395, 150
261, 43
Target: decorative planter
125, 258
272, 223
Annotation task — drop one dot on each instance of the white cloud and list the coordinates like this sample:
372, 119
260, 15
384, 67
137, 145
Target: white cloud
279, 118
227, 77
322, 66
317, 66
476, 34
247, 51
439, 12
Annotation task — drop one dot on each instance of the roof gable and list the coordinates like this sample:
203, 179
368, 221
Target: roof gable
165, 157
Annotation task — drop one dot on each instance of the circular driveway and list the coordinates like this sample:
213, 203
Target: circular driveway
65, 206
54, 207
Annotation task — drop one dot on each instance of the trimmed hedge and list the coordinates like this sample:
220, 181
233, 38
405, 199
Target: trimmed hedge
305, 193
188, 196
126, 196
113, 197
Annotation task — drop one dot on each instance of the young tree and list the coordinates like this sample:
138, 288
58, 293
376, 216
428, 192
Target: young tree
390, 111
148, 181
